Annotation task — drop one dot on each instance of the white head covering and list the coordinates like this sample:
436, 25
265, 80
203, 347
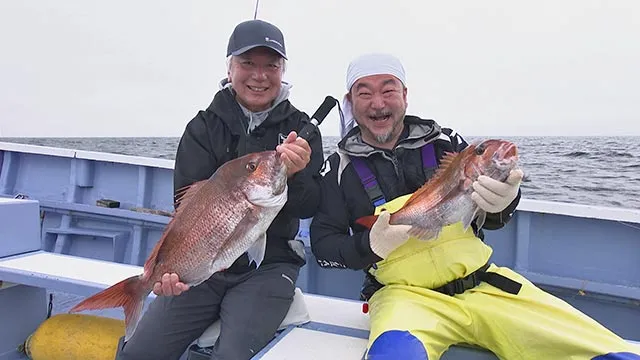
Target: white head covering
366, 65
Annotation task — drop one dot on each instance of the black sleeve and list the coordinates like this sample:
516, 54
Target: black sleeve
493, 221
331, 241
496, 221
304, 186
195, 159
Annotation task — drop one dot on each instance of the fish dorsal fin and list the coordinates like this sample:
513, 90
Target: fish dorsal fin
447, 159
440, 185
185, 193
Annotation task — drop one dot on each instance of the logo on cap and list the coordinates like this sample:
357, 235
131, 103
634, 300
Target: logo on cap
267, 39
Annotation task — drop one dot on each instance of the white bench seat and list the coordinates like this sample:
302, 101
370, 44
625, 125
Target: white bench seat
66, 273
336, 311
302, 343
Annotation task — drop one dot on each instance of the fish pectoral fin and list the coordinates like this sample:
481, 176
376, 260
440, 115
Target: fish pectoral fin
256, 251
479, 215
424, 234
227, 255
481, 218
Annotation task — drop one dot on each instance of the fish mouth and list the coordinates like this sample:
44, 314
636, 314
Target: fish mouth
280, 185
506, 156
504, 164
511, 151
279, 174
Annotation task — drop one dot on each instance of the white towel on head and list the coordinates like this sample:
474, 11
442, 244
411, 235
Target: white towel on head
347, 121
367, 65
374, 64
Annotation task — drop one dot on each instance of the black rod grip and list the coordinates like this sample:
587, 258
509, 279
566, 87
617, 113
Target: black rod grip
317, 117
324, 109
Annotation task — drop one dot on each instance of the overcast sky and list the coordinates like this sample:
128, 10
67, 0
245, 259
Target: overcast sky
145, 67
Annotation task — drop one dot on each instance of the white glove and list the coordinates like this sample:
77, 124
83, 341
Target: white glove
494, 196
384, 238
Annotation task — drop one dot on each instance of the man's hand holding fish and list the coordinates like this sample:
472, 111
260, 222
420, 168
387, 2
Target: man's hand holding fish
385, 238
492, 195
295, 152
170, 285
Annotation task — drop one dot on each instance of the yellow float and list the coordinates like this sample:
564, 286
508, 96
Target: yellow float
75, 336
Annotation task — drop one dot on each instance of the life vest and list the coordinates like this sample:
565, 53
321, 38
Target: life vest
371, 186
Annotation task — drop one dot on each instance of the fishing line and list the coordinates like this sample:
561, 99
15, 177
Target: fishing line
255, 12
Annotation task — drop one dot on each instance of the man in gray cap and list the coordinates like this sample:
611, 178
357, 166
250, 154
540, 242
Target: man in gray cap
250, 113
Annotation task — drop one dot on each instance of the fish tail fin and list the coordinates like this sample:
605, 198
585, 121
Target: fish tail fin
129, 293
367, 221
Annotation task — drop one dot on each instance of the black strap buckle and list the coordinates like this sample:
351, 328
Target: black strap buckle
459, 286
469, 282
447, 289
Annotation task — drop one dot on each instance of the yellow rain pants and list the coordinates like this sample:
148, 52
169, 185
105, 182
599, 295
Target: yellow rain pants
409, 321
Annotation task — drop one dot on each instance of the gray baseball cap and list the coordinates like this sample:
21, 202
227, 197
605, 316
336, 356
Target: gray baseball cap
253, 33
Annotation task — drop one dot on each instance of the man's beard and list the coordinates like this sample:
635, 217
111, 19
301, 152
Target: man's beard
386, 137
383, 138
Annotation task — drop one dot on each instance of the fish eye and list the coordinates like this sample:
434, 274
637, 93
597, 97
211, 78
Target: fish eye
480, 149
251, 166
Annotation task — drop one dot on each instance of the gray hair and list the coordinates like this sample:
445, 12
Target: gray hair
282, 60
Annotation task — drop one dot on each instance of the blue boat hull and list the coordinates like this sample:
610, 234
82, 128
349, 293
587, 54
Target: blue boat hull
586, 255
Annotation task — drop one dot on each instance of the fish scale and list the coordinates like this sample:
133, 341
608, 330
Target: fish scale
216, 221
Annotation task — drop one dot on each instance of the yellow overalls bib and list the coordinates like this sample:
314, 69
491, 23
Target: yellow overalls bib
410, 321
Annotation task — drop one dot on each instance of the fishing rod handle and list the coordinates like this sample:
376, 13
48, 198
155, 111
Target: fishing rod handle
317, 117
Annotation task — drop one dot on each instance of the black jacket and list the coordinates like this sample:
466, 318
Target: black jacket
219, 134
398, 172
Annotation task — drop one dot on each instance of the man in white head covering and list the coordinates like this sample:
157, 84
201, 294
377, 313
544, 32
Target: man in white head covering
425, 296
365, 66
